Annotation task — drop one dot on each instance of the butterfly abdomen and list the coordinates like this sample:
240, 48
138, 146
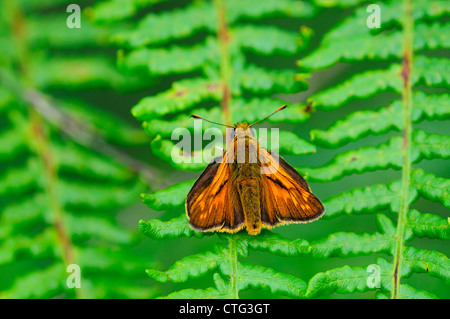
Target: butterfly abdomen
248, 182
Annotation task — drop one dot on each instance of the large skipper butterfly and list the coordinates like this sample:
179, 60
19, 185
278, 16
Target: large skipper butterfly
254, 189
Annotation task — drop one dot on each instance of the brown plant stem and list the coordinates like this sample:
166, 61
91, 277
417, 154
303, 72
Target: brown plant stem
39, 138
225, 71
406, 146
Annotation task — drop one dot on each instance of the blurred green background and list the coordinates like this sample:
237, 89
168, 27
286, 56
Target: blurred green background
120, 96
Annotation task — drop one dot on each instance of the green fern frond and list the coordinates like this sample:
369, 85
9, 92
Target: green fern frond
201, 80
342, 280
215, 58
60, 193
386, 155
350, 244
432, 187
432, 71
354, 33
385, 119
174, 228
428, 225
413, 79
367, 199
257, 276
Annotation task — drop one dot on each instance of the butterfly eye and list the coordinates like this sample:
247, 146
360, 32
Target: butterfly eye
230, 134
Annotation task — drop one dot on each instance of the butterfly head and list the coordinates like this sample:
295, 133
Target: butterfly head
244, 126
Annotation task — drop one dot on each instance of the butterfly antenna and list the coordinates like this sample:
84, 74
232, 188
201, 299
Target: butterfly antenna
195, 116
277, 110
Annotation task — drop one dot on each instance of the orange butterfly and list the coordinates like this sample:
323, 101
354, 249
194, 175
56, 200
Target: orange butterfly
235, 192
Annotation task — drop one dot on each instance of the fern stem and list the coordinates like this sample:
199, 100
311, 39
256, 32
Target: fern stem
234, 290
51, 179
406, 147
39, 134
225, 70
84, 134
